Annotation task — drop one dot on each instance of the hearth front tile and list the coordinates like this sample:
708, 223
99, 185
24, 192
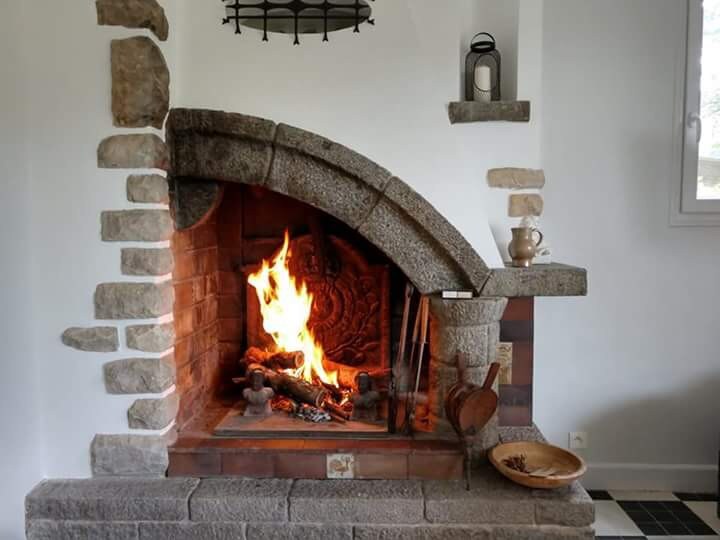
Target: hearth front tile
295, 465
381, 466
248, 465
195, 464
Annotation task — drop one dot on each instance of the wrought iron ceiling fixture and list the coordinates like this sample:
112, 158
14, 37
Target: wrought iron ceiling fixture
298, 16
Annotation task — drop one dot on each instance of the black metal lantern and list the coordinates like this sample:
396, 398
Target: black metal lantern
482, 69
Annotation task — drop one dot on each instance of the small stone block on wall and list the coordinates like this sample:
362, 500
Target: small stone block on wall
98, 339
526, 205
147, 188
129, 455
136, 226
133, 300
153, 413
142, 151
134, 14
153, 338
140, 83
147, 262
513, 178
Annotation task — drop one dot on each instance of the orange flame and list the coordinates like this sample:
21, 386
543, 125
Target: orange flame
286, 309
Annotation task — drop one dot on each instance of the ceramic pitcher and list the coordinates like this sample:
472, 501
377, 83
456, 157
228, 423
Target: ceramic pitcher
523, 246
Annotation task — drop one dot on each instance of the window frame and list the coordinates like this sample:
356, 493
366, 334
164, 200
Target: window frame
686, 208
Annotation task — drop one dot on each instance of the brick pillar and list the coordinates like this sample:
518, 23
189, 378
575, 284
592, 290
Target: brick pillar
470, 327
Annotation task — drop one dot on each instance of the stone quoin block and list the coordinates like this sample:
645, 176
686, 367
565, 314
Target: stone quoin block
111, 499
241, 499
147, 262
139, 375
193, 531
356, 501
138, 151
140, 83
153, 338
136, 226
133, 300
133, 14
97, 339
147, 188
525, 205
43, 529
513, 178
129, 455
153, 413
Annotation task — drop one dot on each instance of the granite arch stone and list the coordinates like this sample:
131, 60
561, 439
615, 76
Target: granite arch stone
215, 145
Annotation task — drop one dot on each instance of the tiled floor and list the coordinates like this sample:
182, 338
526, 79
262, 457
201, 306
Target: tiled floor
654, 514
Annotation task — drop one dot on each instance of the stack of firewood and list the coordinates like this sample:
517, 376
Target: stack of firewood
294, 395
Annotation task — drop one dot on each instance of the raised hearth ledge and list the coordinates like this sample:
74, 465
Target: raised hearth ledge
135, 509
540, 280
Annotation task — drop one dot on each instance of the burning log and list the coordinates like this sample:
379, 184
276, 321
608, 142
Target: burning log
273, 360
293, 387
336, 410
347, 376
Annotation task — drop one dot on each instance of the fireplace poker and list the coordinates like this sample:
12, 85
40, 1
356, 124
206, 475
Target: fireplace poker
399, 359
424, 312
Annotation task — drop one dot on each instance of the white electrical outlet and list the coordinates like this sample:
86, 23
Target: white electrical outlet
578, 440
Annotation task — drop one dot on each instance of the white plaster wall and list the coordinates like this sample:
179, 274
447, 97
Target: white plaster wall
637, 362
20, 443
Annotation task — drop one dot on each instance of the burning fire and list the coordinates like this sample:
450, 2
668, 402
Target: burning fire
286, 306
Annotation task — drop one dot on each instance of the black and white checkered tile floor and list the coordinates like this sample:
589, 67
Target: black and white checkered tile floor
646, 515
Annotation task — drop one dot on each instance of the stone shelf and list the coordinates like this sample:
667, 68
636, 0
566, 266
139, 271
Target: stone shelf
462, 112
540, 280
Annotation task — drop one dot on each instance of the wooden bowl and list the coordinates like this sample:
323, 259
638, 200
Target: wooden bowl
540, 458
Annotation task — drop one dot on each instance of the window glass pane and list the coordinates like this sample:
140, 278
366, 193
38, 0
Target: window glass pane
709, 165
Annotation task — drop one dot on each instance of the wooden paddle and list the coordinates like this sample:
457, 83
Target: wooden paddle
476, 410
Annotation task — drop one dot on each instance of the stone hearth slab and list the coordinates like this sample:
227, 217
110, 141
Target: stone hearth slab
257, 509
111, 499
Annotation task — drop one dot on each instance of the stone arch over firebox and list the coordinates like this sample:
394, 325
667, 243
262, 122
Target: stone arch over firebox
208, 146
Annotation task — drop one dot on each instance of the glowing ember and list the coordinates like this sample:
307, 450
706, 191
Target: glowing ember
285, 306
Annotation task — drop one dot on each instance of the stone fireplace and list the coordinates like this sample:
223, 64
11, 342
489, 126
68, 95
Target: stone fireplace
357, 236
184, 315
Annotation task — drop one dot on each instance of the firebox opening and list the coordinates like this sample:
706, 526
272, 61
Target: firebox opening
268, 287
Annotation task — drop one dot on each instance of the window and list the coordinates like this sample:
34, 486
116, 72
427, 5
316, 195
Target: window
698, 199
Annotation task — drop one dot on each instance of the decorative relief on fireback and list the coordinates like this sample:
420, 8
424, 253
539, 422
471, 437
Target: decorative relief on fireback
350, 316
